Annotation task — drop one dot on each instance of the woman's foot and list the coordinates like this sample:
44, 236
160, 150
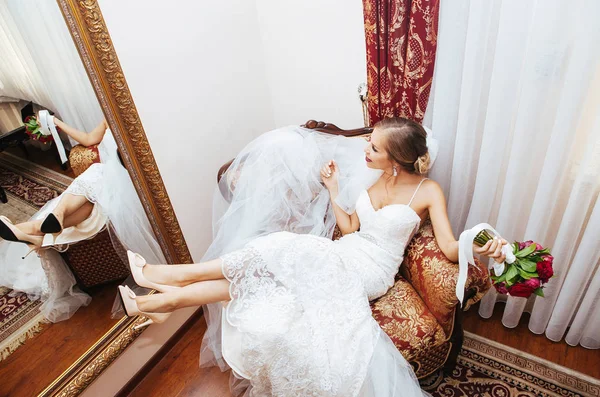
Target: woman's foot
128, 299
10, 232
147, 276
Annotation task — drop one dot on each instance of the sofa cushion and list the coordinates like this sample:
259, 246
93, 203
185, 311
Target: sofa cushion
82, 157
403, 315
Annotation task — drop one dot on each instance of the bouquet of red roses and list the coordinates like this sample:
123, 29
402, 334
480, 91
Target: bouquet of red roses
528, 267
34, 130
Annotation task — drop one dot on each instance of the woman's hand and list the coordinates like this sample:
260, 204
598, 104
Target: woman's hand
329, 174
492, 249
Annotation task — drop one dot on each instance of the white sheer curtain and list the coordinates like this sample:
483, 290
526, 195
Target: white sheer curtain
39, 62
516, 107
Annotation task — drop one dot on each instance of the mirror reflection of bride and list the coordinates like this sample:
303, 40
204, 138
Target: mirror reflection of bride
103, 197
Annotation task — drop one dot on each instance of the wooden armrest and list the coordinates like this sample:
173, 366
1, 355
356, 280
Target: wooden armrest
223, 169
333, 129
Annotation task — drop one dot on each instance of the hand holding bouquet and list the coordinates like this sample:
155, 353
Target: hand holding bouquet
527, 267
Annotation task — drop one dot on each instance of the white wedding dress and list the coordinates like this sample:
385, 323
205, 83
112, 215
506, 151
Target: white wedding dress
299, 322
116, 206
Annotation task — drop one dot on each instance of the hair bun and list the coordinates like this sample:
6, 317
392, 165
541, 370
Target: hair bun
423, 163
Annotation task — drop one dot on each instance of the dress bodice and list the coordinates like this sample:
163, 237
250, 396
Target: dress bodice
390, 227
377, 249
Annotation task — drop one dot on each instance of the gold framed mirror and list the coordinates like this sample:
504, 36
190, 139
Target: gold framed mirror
89, 33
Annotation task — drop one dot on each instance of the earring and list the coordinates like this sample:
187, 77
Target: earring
395, 171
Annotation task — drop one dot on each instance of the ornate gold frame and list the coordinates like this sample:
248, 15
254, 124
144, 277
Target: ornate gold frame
88, 29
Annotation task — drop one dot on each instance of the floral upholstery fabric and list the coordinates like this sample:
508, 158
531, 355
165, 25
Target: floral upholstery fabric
434, 276
82, 157
418, 311
407, 320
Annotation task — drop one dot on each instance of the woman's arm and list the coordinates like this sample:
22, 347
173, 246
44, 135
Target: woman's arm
346, 223
443, 231
86, 139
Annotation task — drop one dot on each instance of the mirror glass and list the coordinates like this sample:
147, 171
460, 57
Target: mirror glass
69, 210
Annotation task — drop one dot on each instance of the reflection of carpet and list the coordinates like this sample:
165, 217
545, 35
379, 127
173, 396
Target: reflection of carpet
487, 368
28, 187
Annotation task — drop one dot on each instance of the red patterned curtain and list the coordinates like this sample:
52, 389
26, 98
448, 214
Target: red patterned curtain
401, 41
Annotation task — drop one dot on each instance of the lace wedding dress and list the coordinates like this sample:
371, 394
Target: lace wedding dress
116, 205
299, 322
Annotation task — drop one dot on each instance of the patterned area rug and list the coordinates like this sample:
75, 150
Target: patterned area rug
28, 187
487, 368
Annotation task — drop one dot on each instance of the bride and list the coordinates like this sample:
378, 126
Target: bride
101, 197
296, 319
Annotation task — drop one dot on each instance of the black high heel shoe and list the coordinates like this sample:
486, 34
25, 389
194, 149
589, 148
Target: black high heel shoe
51, 225
7, 234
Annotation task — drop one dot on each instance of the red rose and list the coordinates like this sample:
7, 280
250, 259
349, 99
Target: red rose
501, 288
527, 243
544, 268
525, 288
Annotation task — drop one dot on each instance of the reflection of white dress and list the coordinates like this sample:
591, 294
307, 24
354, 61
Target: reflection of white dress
47, 277
299, 322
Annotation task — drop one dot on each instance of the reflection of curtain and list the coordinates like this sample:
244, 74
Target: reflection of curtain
39, 62
401, 40
516, 108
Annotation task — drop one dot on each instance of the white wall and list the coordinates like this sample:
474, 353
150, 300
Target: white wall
206, 79
197, 77
315, 57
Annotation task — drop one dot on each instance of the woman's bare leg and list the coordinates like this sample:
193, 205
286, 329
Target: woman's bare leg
181, 275
195, 294
68, 205
79, 215
70, 211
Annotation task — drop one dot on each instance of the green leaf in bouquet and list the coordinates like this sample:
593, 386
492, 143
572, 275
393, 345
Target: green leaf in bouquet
526, 251
534, 258
515, 246
527, 275
539, 292
527, 265
501, 278
511, 272
36, 130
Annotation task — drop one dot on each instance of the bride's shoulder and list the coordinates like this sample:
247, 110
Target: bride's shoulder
433, 190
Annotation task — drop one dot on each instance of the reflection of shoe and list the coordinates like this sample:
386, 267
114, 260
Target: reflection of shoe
136, 264
9, 232
131, 308
51, 224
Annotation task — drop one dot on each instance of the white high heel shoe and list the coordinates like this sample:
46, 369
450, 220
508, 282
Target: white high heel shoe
132, 309
136, 264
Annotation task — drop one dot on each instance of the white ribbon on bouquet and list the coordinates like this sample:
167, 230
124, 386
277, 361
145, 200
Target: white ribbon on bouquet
48, 127
465, 256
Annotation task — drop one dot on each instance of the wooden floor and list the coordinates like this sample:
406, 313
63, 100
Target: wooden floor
178, 373
574, 357
44, 357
